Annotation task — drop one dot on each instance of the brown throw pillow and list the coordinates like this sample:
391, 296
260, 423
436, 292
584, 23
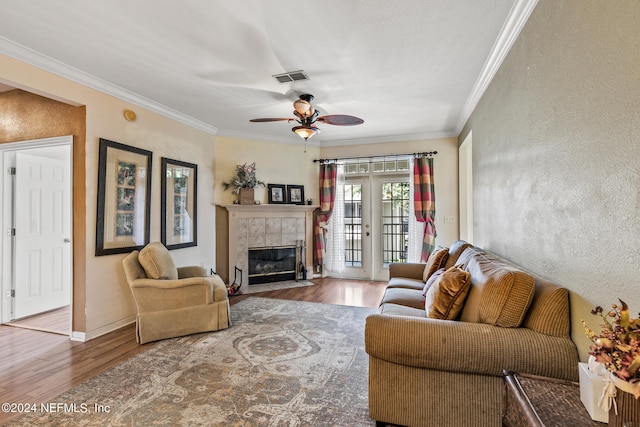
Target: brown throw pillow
445, 298
435, 261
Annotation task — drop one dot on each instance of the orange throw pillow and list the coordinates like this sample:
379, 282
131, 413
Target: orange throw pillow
445, 298
435, 261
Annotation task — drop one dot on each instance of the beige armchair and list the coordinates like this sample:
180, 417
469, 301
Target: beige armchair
172, 301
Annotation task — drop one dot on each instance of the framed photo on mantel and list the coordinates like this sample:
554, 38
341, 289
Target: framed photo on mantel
295, 194
277, 195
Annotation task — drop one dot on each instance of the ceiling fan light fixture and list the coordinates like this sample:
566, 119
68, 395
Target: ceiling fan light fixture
305, 132
303, 108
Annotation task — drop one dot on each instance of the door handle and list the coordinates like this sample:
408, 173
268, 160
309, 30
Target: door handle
67, 240
368, 233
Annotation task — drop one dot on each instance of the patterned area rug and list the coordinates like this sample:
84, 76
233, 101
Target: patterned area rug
281, 363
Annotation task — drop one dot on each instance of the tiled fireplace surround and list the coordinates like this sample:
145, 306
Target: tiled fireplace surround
252, 226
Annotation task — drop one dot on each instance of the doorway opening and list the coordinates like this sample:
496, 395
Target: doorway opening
375, 206
37, 248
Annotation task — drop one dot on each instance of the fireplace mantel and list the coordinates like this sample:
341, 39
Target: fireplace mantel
268, 209
239, 227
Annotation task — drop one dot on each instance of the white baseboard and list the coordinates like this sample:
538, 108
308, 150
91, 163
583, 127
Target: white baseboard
87, 336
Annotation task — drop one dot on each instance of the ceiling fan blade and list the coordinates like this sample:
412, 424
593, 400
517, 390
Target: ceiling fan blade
271, 120
340, 120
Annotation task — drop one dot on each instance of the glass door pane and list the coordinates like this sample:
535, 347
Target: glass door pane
395, 221
353, 224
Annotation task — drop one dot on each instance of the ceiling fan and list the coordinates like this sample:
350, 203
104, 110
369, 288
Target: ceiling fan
307, 116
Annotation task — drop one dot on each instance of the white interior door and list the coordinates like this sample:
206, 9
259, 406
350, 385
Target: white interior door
42, 275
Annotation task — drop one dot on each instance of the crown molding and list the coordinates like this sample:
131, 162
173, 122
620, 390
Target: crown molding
30, 56
518, 16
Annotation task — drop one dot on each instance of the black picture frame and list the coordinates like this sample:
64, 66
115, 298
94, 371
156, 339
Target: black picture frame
277, 194
124, 198
178, 204
295, 194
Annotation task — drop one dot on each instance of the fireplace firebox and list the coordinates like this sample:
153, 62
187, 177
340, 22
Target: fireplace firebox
272, 264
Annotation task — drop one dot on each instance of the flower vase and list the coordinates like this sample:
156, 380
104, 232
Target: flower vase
628, 410
246, 196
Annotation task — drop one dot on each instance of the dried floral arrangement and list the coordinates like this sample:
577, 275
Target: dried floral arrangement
245, 178
617, 346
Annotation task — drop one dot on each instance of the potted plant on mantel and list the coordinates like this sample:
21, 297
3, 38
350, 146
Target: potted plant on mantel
617, 347
244, 182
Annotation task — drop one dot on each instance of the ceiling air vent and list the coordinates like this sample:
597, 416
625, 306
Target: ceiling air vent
291, 76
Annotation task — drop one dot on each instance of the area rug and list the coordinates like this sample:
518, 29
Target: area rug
281, 363
285, 284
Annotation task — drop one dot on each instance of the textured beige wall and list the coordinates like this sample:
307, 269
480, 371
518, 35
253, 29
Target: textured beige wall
556, 154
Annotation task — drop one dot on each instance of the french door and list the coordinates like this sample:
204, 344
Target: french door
376, 224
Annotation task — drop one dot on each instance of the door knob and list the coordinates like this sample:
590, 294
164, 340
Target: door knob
67, 240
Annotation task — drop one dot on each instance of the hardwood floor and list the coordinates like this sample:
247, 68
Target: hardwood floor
37, 366
54, 321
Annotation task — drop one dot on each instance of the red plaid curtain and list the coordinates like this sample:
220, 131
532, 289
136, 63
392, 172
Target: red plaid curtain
328, 174
424, 201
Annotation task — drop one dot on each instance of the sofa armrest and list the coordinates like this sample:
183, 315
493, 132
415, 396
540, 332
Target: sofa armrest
473, 348
410, 270
158, 295
191, 271
171, 284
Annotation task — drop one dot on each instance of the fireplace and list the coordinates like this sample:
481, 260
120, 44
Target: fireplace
272, 264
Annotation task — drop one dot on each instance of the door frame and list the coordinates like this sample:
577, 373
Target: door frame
372, 266
6, 247
465, 191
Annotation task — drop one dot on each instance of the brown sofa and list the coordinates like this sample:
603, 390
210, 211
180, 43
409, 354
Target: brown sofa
433, 372
172, 301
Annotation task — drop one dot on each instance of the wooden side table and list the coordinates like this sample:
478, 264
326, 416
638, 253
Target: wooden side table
543, 402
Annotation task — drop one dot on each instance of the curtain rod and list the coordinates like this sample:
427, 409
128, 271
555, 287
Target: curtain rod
427, 153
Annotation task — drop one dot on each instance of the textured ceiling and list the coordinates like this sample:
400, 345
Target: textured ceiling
409, 68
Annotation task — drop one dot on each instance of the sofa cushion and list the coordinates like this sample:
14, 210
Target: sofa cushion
157, 262
455, 250
404, 296
435, 261
445, 298
402, 310
411, 270
549, 310
404, 282
500, 293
